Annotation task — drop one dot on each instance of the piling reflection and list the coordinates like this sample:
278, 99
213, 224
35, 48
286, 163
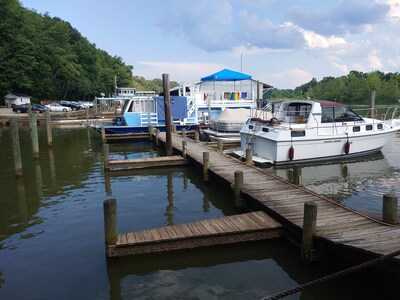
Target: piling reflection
52, 165
39, 179
22, 205
169, 213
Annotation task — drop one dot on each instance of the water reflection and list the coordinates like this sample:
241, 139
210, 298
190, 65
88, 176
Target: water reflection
170, 196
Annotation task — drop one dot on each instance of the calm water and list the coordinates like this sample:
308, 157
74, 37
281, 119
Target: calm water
52, 242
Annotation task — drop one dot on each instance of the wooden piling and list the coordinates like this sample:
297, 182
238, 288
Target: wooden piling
220, 146
48, 129
103, 135
106, 155
34, 136
184, 149
206, 162
372, 105
87, 116
249, 157
389, 210
238, 188
184, 133
150, 132
309, 225
196, 136
157, 136
173, 128
110, 221
297, 175
16, 148
167, 109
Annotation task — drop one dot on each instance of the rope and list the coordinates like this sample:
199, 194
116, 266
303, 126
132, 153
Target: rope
332, 276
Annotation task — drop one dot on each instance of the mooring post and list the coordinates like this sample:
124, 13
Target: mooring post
34, 136
389, 210
309, 225
48, 127
106, 155
372, 105
184, 133
297, 175
184, 149
238, 188
150, 133
16, 148
103, 135
196, 136
167, 109
157, 136
206, 162
249, 157
110, 221
87, 116
220, 146
173, 128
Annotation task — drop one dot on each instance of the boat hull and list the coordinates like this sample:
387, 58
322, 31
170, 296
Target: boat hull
318, 149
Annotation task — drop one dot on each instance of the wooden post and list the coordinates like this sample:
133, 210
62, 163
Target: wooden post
297, 175
206, 162
48, 127
106, 155
16, 148
174, 128
103, 135
184, 133
150, 132
238, 188
196, 136
309, 225
34, 136
157, 136
184, 149
29, 109
220, 146
110, 221
87, 115
167, 109
372, 105
249, 157
389, 210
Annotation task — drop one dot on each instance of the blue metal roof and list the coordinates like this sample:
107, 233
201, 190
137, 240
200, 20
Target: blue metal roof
226, 75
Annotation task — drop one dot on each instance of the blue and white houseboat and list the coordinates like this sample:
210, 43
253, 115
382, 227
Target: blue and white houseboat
191, 105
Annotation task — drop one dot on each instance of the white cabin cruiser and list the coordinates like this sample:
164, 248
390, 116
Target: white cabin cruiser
306, 130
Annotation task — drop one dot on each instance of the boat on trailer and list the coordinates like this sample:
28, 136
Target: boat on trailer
306, 130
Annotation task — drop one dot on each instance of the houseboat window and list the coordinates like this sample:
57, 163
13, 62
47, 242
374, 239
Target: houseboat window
356, 129
265, 129
368, 127
380, 126
251, 126
297, 133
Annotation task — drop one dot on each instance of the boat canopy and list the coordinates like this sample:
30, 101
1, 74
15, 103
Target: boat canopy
226, 75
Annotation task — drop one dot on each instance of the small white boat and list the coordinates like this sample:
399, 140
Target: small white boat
306, 130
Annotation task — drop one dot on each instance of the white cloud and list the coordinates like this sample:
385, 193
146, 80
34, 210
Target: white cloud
374, 61
315, 40
394, 7
178, 71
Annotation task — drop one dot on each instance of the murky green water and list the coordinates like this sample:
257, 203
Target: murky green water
52, 240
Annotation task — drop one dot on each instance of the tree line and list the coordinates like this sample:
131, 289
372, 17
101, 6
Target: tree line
356, 87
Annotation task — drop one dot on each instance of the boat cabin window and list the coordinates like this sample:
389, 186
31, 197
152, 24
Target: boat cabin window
368, 127
380, 126
356, 128
338, 114
298, 112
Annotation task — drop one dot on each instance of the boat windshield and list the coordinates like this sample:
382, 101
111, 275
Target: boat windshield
339, 114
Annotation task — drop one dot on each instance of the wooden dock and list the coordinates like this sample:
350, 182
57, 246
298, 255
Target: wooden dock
336, 224
141, 163
224, 230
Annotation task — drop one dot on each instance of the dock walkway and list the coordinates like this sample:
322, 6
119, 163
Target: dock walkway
219, 231
336, 223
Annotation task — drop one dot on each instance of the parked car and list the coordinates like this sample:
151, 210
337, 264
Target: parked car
23, 108
72, 104
58, 107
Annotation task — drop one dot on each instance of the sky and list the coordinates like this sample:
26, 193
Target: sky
284, 43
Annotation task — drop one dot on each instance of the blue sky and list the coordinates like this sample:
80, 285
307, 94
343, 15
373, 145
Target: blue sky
284, 43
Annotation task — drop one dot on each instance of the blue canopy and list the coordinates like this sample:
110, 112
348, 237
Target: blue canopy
226, 75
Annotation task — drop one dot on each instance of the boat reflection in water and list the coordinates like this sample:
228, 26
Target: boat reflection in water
357, 183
